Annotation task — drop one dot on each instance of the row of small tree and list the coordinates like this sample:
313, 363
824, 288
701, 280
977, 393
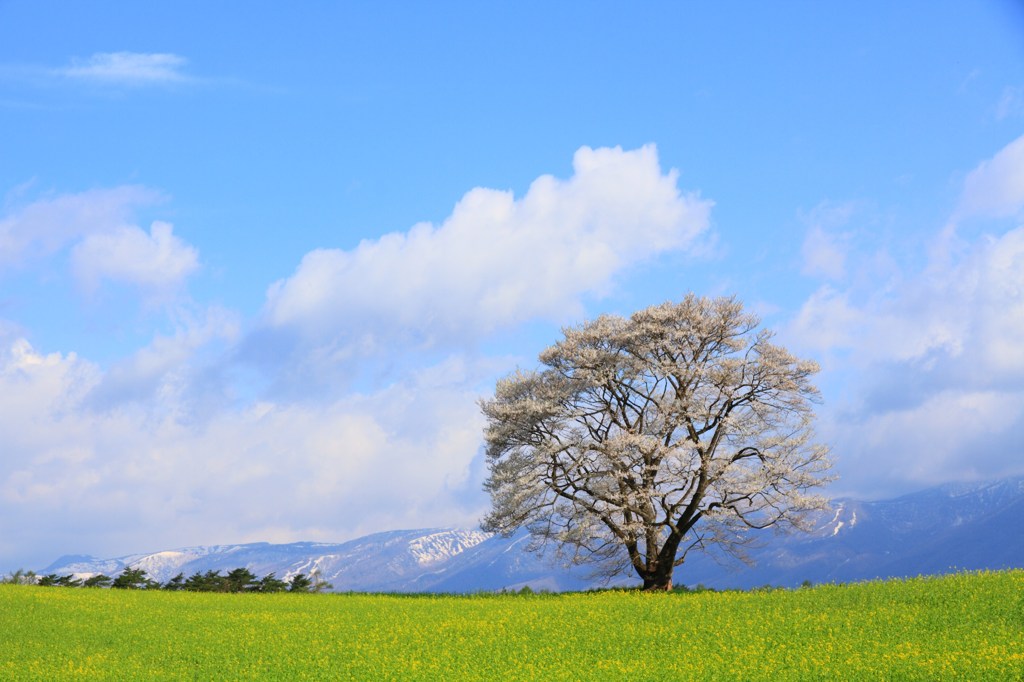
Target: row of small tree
236, 580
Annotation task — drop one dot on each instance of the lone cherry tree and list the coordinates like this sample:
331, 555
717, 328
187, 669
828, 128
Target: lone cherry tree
640, 439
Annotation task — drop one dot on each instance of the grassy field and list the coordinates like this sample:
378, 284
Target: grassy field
967, 626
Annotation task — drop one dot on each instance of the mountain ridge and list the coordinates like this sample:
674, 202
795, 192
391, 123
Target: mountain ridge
936, 530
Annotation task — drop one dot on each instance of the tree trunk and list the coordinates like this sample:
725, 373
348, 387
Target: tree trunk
659, 580
658, 576
656, 585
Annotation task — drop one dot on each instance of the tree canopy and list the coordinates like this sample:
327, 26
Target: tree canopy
237, 580
642, 438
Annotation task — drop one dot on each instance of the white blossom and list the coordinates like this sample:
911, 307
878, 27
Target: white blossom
640, 439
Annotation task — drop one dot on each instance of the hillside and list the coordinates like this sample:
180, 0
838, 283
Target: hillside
938, 530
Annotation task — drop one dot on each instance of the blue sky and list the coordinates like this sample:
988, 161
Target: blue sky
258, 264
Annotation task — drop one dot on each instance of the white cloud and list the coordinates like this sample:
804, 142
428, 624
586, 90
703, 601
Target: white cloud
827, 321
135, 477
173, 370
953, 434
823, 255
971, 312
97, 227
158, 261
1011, 103
967, 302
496, 260
824, 248
130, 68
46, 226
995, 189
932, 370
931, 359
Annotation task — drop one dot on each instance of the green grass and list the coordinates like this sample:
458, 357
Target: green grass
967, 626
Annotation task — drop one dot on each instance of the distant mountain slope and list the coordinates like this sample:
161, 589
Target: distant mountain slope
378, 562
503, 563
937, 530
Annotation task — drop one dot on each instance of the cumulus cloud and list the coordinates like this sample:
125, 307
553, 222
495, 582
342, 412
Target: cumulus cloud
158, 261
134, 477
995, 188
950, 435
128, 68
95, 231
43, 227
969, 313
496, 260
932, 358
177, 375
933, 369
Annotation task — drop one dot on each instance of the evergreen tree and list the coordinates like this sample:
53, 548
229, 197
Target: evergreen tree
20, 577
175, 583
211, 581
300, 583
271, 583
239, 580
132, 579
98, 580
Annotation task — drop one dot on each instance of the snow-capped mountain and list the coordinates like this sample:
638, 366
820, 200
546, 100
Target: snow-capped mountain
938, 530
378, 562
